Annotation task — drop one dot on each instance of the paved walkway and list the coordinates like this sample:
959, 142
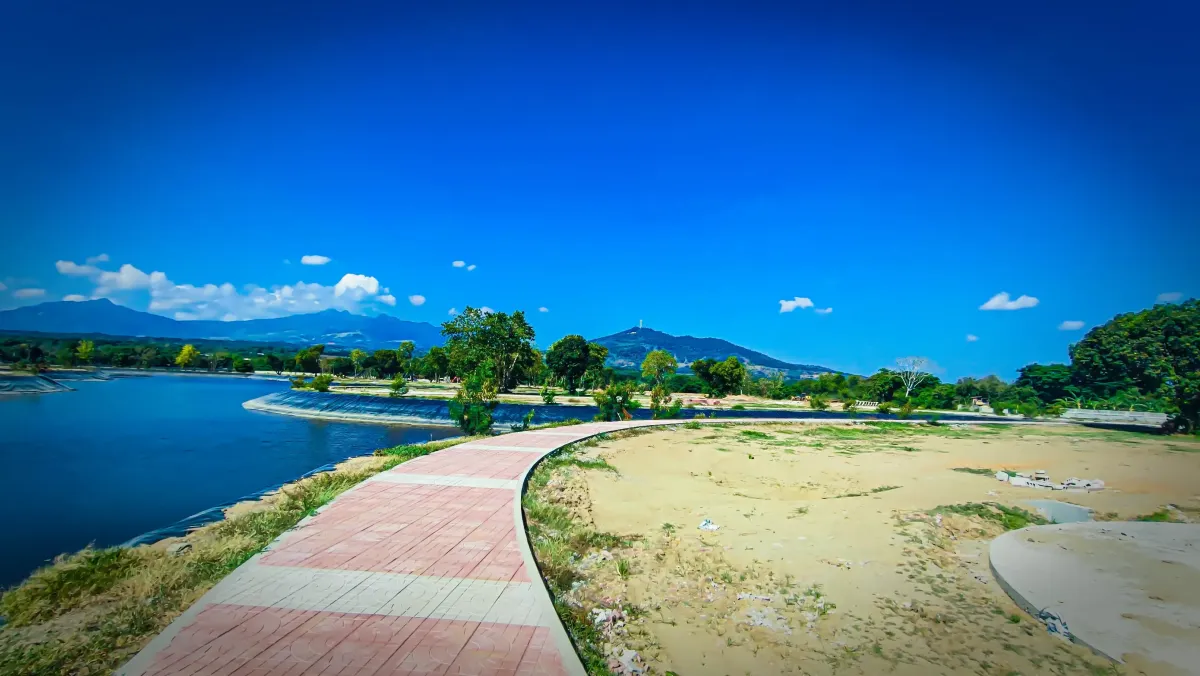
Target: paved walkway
423, 569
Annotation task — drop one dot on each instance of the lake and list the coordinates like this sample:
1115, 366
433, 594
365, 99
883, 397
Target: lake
116, 459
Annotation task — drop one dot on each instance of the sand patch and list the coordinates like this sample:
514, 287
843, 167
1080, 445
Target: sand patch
827, 558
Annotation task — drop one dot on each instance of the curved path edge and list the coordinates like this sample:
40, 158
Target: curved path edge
424, 568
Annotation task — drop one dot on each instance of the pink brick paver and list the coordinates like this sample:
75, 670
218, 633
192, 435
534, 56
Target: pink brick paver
423, 569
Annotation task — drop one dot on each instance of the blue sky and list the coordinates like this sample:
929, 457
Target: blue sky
614, 163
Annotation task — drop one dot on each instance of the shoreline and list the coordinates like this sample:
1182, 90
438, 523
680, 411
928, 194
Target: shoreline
259, 405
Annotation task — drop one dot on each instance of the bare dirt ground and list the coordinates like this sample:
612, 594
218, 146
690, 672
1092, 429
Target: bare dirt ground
831, 556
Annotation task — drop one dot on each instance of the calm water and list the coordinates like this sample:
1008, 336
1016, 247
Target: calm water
116, 459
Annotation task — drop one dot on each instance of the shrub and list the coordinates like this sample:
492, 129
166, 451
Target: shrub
817, 403
905, 411
548, 394
299, 383
1028, 409
524, 424
739, 407
472, 406
885, 408
616, 401
399, 386
661, 404
321, 382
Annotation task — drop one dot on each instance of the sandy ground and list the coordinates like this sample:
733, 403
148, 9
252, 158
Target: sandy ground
836, 584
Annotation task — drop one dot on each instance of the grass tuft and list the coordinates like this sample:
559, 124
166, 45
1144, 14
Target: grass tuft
1011, 518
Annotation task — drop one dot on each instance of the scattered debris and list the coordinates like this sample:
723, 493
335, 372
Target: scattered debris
1041, 479
179, 549
1055, 624
744, 596
769, 618
625, 662
708, 525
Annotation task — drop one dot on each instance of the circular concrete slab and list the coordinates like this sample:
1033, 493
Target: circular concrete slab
1128, 590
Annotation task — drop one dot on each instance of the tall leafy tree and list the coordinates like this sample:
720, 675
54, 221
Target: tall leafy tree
1048, 381
84, 351
476, 336
595, 375
187, 356
720, 377
357, 357
568, 359
657, 365
308, 360
616, 402
275, 363
1155, 351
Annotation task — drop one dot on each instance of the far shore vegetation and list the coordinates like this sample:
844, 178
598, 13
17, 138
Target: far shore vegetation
91, 611
1143, 361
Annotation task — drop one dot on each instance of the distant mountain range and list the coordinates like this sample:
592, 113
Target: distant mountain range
332, 327
628, 348
338, 328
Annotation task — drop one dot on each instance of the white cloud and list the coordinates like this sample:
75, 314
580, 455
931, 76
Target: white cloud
417, 299
1169, 297
1001, 301
359, 285
971, 338
823, 311
543, 309
29, 293
387, 299
102, 258
798, 302
128, 277
75, 270
459, 264
486, 310
452, 312
1070, 325
314, 260
470, 267
74, 298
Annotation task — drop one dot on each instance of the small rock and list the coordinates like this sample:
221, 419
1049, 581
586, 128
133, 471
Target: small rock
179, 549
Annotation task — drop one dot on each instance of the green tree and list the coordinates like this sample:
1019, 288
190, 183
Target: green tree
436, 363
275, 362
84, 351
386, 362
720, 377
187, 356
616, 402
321, 383
1048, 381
243, 365
308, 360
472, 406
548, 394
1155, 351
568, 359
219, 360
657, 365
65, 356
404, 357
357, 357
595, 374
476, 336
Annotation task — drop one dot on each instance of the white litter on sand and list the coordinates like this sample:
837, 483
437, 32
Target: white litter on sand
708, 525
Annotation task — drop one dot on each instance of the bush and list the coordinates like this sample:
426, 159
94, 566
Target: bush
524, 424
243, 366
299, 383
1028, 409
399, 386
885, 408
905, 411
817, 404
661, 404
616, 401
548, 395
321, 383
472, 407
739, 407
